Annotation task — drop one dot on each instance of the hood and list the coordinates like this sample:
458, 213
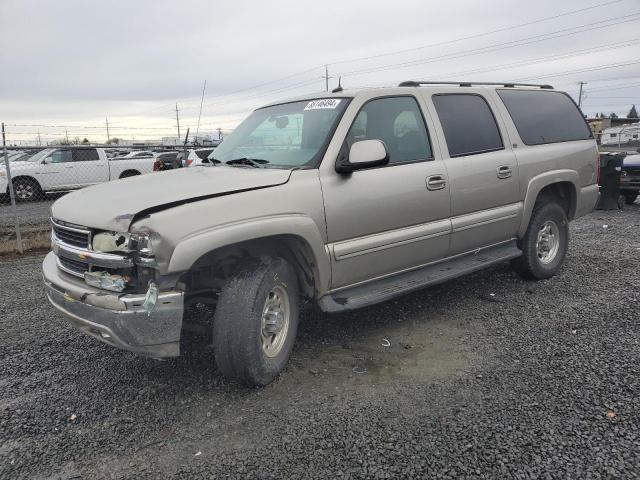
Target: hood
632, 162
114, 205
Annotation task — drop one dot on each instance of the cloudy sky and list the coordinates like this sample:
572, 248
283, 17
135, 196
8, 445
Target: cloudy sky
69, 64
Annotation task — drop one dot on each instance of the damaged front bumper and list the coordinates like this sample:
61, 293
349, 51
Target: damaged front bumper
119, 320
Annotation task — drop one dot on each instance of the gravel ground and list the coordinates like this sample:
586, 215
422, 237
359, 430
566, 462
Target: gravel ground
31, 213
538, 380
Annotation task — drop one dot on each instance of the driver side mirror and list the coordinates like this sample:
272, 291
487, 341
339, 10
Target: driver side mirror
363, 154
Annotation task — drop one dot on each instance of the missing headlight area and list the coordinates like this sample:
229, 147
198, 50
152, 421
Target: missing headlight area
111, 242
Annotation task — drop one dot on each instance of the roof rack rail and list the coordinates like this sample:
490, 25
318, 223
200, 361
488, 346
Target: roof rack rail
417, 83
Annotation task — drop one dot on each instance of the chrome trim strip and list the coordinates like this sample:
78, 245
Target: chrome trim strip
65, 227
390, 239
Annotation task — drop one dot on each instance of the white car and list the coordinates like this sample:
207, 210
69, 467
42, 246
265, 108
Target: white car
69, 168
195, 156
139, 154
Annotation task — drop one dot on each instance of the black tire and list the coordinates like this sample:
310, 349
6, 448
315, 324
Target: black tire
630, 198
129, 173
238, 328
530, 265
26, 190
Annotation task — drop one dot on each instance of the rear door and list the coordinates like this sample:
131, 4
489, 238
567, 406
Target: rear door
486, 203
88, 167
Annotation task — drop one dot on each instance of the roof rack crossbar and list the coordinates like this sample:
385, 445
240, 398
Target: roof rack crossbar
417, 83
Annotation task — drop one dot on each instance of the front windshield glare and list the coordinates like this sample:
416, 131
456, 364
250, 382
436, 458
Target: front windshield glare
285, 136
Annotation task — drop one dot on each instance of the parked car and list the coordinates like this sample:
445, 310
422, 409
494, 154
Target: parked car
68, 168
139, 154
11, 155
166, 161
346, 199
192, 157
630, 178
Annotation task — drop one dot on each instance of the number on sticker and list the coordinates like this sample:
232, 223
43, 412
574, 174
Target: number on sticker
323, 103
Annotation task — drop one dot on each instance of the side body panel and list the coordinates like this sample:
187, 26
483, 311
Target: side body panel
574, 162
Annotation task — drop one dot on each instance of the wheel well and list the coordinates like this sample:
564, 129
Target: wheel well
129, 173
25, 177
209, 272
564, 193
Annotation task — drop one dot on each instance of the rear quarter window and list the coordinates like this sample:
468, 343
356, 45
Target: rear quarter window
468, 124
544, 116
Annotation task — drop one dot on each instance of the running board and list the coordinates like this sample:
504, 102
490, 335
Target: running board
387, 288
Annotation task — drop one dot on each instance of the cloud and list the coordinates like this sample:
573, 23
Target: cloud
77, 61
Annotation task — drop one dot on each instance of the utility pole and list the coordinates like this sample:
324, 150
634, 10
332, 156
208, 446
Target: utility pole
580, 93
39, 142
107, 122
219, 133
326, 77
66, 135
200, 114
178, 121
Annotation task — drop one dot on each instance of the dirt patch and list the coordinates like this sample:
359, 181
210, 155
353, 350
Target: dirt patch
35, 239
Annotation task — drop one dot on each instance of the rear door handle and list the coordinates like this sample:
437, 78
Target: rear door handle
504, 171
436, 182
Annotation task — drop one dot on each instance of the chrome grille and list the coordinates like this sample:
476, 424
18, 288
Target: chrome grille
76, 237
74, 266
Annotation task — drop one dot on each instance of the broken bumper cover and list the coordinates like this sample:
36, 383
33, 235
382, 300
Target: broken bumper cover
117, 319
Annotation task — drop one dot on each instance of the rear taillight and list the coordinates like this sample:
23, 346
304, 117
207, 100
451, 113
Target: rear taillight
188, 161
157, 165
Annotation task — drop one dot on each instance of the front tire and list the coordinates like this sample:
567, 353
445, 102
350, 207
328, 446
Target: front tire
256, 322
630, 198
544, 245
26, 190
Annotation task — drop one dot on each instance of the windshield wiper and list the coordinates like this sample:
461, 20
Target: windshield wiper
252, 162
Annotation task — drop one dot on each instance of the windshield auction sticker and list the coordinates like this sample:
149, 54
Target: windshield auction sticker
323, 103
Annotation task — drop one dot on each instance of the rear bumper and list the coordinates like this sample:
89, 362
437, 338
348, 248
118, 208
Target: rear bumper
117, 319
588, 199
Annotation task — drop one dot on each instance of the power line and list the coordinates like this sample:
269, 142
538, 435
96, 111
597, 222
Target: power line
524, 63
583, 70
499, 46
352, 60
470, 37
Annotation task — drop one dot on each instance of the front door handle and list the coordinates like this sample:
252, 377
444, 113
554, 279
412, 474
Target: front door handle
436, 182
504, 171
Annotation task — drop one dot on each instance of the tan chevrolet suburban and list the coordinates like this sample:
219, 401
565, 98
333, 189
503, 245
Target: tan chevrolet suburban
347, 199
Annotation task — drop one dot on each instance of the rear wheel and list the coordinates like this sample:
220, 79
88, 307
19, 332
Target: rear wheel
630, 198
256, 321
545, 243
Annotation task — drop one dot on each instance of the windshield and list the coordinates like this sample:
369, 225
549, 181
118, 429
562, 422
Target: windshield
285, 136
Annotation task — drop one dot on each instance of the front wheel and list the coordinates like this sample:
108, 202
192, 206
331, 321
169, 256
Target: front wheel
630, 198
256, 322
26, 190
545, 243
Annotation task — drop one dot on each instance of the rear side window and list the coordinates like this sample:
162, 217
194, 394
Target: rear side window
85, 155
468, 123
544, 116
203, 154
